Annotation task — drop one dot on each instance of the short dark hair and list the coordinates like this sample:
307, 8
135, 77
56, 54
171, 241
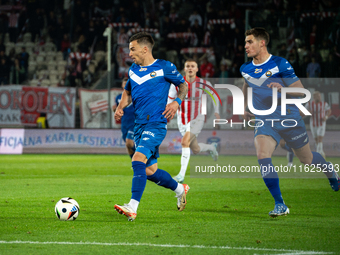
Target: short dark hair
259, 33
144, 38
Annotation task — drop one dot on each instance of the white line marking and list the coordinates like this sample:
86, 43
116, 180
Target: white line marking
170, 246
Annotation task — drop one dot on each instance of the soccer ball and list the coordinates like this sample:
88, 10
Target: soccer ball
67, 209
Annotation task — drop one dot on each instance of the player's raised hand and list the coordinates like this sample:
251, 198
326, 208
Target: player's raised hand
247, 116
275, 85
170, 110
118, 114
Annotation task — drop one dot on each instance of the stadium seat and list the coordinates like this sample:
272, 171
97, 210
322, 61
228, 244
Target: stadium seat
54, 82
6, 39
34, 82
27, 37
53, 74
45, 83
42, 74
62, 63
99, 55
49, 47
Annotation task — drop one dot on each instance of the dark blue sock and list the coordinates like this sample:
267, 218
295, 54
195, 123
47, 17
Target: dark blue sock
138, 180
318, 159
164, 179
271, 179
290, 157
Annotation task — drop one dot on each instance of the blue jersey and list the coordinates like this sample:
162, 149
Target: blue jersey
274, 69
128, 119
149, 87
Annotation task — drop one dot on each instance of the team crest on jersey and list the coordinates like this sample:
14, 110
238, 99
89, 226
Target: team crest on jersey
269, 73
142, 69
258, 70
153, 74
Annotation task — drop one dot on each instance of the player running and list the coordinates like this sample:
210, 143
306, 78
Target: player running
258, 74
148, 88
190, 120
320, 112
127, 123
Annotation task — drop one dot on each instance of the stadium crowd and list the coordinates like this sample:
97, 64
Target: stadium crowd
307, 33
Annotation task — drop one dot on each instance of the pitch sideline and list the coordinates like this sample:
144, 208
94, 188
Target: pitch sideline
169, 246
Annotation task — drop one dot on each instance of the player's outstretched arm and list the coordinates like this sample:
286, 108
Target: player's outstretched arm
171, 108
124, 102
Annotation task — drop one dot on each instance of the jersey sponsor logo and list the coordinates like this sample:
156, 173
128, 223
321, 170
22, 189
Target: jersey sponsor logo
146, 138
142, 69
174, 71
153, 74
148, 133
269, 73
290, 68
258, 70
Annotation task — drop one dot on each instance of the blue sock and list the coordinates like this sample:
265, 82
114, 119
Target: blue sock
164, 179
271, 179
290, 157
138, 180
318, 159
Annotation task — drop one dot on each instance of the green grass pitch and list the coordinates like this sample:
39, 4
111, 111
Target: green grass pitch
223, 216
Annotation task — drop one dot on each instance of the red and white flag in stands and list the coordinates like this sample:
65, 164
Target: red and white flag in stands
98, 106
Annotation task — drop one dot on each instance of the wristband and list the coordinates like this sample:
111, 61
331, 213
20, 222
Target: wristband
178, 100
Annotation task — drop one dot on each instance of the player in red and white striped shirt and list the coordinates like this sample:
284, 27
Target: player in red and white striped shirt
190, 119
320, 112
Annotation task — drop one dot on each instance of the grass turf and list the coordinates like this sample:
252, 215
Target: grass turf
232, 213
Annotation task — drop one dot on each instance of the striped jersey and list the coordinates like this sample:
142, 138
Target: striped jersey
318, 111
258, 76
191, 107
149, 87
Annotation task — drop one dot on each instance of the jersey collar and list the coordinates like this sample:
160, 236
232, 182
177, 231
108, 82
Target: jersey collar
263, 62
196, 78
148, 65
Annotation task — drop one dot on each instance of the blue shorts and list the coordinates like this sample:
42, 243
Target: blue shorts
295, 135
148, 138
127, 133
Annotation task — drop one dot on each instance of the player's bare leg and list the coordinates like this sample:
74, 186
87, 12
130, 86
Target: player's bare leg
202, 147
308, 157
319, 147
265, 146
130, 147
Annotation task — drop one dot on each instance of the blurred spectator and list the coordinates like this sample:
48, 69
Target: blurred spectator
222, 72
324, 51
198, 30
314, 54
303, 67
283, 51
293, 61
283, 24
23, 58
195, 16
239, 56
13, 24
80, 61
313, 36
5, 69
122, 37
207, 69
331, 67
65, 46
313, 69
18, 75
36, 24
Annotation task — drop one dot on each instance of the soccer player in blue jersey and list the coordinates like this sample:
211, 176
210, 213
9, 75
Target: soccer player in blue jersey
262, 74
127, 123
148, 87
